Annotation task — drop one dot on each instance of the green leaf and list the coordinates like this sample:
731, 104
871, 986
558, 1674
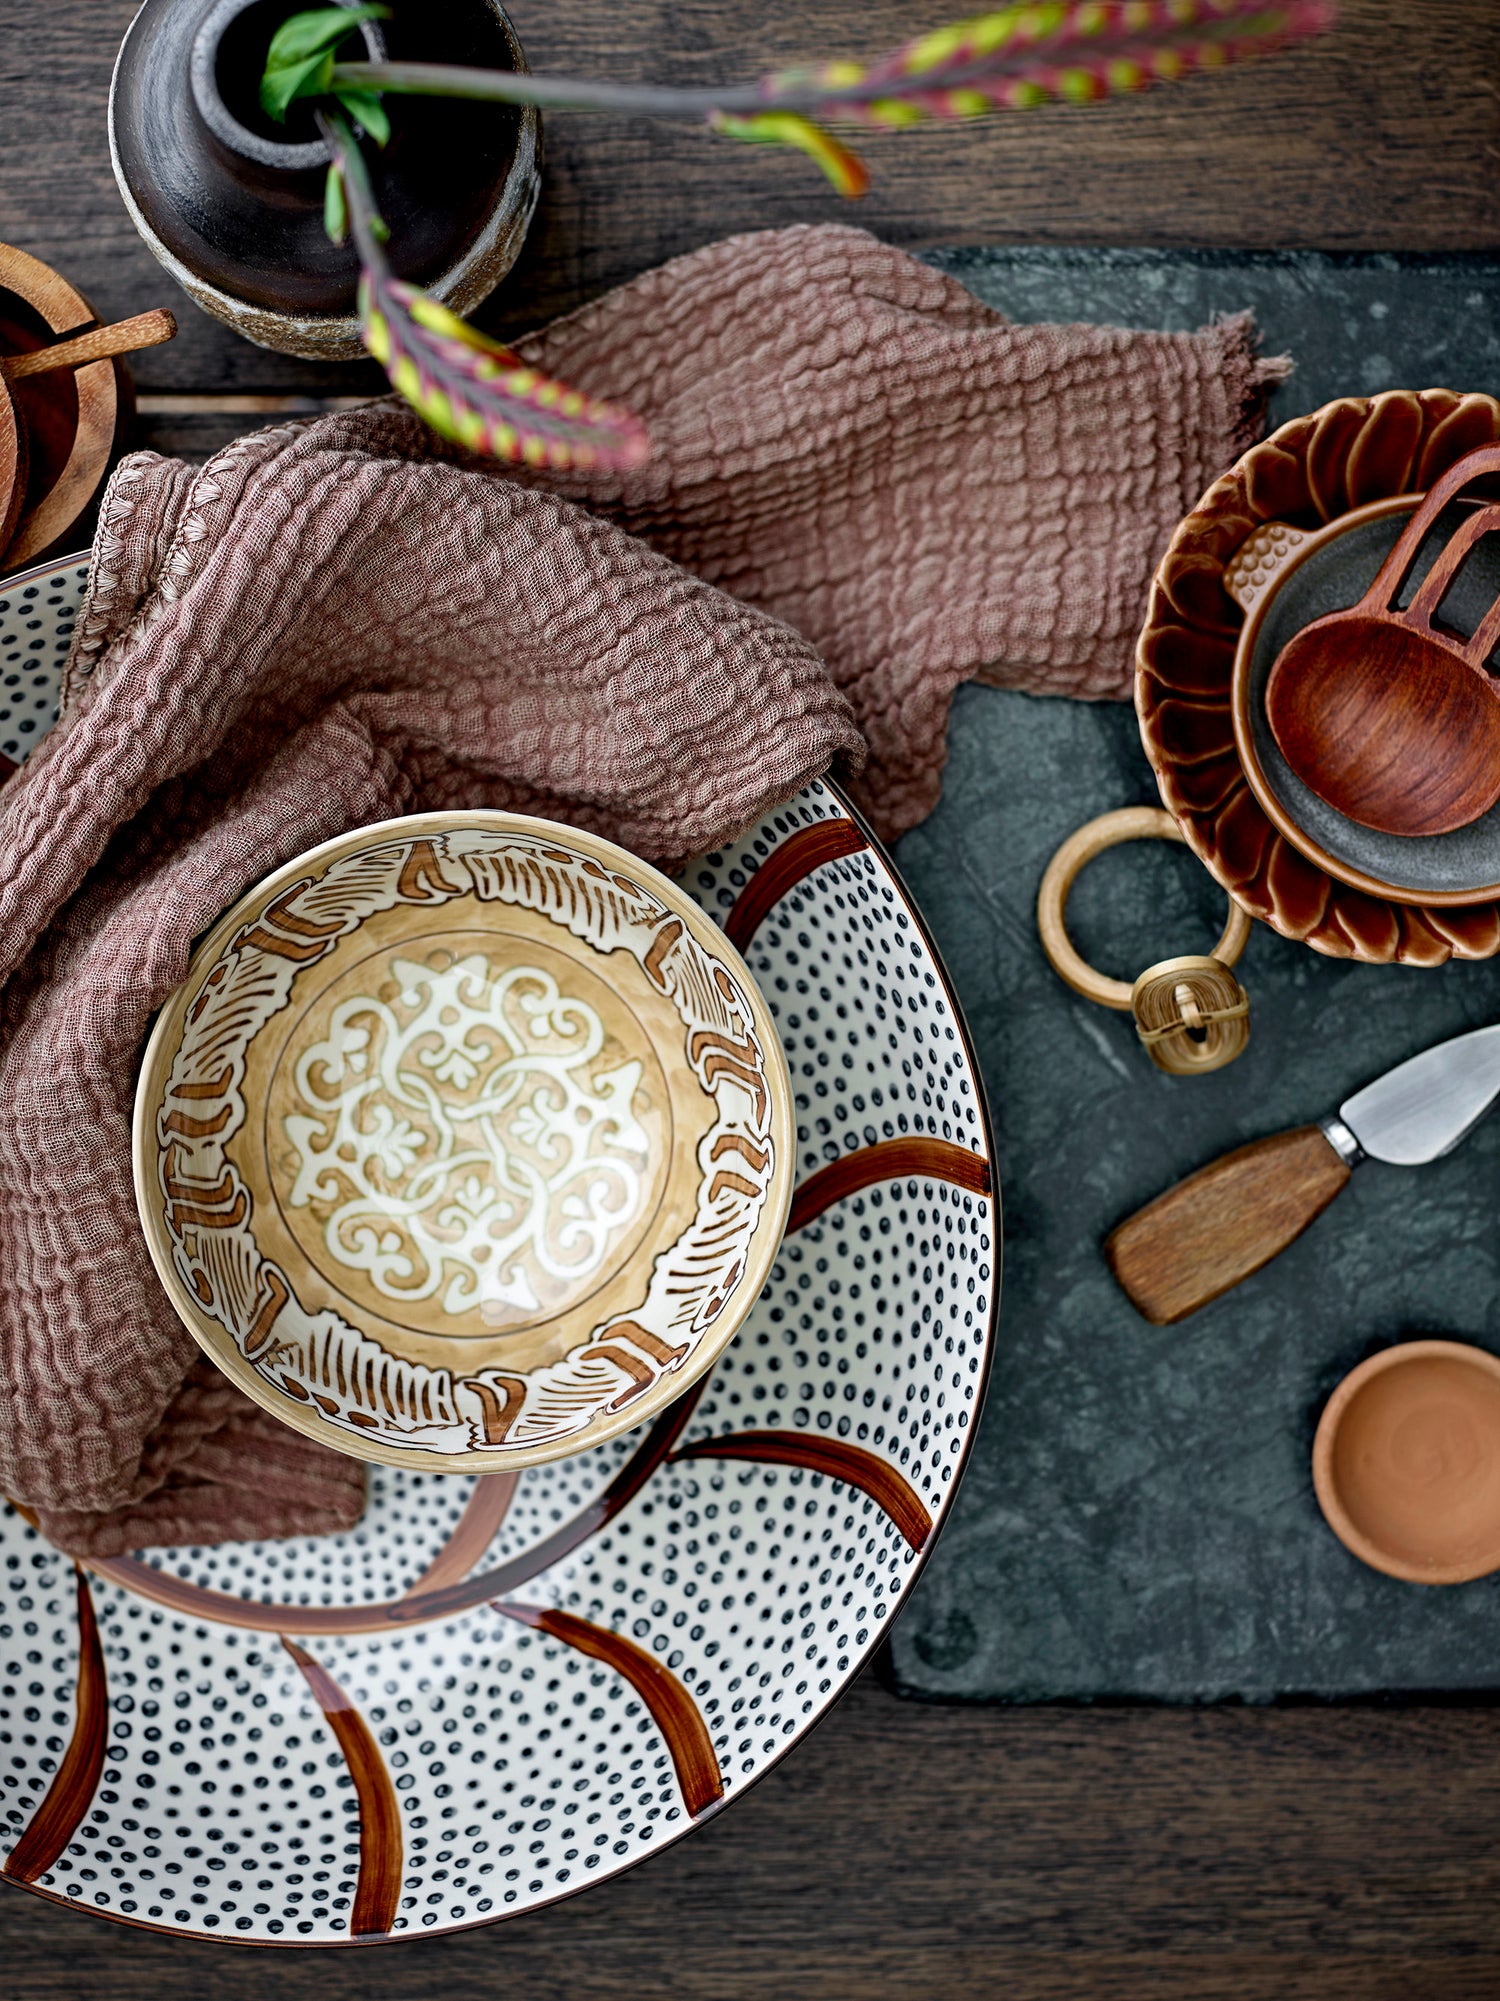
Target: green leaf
317, 32
335, 206
280, 87
299, 62
366, 109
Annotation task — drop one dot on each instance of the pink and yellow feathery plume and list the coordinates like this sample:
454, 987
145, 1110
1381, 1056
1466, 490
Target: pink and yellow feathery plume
846, 170
483, 395
1073, 51
1022, 56
468, 387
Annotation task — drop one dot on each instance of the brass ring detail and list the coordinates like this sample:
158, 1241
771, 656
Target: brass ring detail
1110, 830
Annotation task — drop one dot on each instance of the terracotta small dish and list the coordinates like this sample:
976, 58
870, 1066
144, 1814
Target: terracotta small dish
1406, 1462
466, 1143
1309, 476
1283, 580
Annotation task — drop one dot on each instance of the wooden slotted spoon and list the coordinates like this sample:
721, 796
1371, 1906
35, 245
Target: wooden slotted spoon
1387, 715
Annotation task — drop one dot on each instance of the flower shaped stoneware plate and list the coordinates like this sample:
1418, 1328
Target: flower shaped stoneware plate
1309, 473
465, 1143
496, 1691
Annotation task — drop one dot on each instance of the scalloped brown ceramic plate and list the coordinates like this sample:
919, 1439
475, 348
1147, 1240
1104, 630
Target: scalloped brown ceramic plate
1312, 471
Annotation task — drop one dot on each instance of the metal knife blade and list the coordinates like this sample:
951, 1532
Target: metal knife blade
1423, 1108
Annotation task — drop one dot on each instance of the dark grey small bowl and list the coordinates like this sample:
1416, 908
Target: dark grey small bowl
1329, 571
232, 205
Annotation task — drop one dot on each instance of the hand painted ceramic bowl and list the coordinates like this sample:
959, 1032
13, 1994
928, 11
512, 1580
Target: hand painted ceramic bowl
1311, 473
1283, 579
466, 1143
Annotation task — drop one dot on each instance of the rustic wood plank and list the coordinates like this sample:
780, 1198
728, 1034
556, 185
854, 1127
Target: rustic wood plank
1193, 1855
1382, 137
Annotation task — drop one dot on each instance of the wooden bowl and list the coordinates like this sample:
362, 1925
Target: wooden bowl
13, 457
1406, 1462
1309, 473
72, 419
466, 1144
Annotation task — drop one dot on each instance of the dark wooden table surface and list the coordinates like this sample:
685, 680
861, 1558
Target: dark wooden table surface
1324, 1853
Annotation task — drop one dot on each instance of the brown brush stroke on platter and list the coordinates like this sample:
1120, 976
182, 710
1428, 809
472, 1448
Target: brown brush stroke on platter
673, 1710
784, 868
71, 1792
888, 1160
419, 1605
377, 1891
835, 1457
473, 1532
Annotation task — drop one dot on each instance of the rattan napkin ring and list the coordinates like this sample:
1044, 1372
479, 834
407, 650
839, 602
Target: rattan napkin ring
1191, 1013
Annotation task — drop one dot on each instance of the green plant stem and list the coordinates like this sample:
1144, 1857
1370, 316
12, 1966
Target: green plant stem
500, 86
364, 211
814, 94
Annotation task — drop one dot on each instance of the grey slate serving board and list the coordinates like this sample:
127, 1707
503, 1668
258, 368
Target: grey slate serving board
1138, 1518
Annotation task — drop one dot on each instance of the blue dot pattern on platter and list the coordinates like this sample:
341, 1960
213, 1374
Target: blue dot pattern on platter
38, 609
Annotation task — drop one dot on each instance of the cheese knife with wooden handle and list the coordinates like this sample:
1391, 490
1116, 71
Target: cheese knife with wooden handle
1233, 1216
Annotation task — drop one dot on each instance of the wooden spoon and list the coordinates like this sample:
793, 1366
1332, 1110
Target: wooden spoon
98, 344
1392, 718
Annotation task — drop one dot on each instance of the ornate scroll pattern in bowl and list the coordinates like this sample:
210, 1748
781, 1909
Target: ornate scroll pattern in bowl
497, 1691
1308, 473
466, 1142
461, 1142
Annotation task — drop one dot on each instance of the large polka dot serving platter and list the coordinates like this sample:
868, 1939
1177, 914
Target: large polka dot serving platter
496, 1691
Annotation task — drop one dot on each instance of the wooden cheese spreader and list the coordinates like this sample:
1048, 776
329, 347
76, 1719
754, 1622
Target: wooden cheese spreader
1233, 1216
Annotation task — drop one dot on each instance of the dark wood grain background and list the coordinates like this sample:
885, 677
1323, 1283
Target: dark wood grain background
1334, 1854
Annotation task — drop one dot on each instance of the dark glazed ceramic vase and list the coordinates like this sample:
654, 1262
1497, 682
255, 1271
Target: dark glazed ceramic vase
232, 203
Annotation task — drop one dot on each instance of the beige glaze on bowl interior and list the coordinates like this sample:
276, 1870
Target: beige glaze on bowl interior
1406, 1462
466, 1143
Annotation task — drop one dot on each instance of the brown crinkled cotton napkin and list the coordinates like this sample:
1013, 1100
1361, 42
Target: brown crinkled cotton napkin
867, 488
